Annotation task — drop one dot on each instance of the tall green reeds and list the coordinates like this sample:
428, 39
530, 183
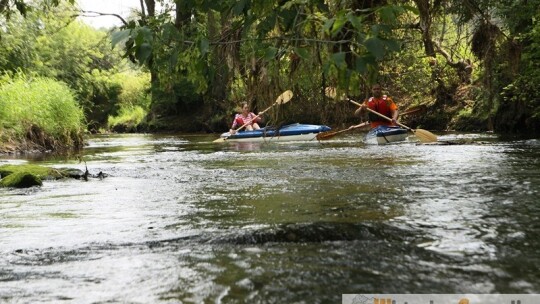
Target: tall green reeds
39, 113
128, 119
133, 103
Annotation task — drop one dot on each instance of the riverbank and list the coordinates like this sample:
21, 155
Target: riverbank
39, 114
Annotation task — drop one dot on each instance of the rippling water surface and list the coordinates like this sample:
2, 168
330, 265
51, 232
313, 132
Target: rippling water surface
179, 219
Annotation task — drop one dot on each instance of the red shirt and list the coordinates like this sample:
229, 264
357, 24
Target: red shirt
385, 106
240, 120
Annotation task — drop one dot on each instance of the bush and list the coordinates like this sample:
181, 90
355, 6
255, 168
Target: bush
40, 112
133, 102
128, 120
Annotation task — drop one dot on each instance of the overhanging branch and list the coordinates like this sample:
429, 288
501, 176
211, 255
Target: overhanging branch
98, 14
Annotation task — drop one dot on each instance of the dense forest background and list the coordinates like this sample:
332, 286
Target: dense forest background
185, 65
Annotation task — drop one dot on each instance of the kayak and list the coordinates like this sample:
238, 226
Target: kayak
293, 132
385, 134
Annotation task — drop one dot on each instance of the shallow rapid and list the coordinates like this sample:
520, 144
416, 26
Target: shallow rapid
180, 219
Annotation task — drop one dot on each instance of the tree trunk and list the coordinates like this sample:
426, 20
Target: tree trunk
425, 26
150, 13
183, 14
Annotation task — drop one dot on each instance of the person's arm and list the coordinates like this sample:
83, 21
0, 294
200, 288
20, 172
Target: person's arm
360, 125
257, 118
234, 124
394, 116
394, 111
362, 109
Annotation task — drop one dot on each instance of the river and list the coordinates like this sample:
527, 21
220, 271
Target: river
180, 219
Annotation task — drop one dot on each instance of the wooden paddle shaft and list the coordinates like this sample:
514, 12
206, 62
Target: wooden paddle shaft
329, 134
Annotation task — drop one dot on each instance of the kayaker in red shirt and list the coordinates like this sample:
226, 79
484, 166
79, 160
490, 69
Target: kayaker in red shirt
382, 104
245, 117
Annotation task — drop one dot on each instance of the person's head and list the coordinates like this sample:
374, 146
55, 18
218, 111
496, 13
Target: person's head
376, 89
245, 107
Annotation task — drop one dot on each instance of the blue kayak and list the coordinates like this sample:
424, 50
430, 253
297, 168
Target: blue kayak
293, 132
385, 134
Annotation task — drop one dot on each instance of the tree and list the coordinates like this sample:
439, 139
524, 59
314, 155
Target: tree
241, 49
8, 7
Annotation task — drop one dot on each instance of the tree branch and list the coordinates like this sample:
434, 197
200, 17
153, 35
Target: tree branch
98, 14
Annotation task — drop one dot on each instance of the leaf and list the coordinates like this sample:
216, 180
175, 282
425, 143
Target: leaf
392, 45
146, 34
411, 9
338, 25
204, 46
143, 52
239, 7
270, 53
120, 36
302, 52
376, 47
267, 24
339, 59
360, 65
377, 29
390, 13
356, 21
169, 32
288, 17
326, 67
173, 60
327, 25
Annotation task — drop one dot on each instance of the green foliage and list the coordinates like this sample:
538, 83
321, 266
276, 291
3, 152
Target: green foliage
133, 102
519, 106
232, 49
10, 7
135, 87
128, 119
41, 109
220, 52
50, 43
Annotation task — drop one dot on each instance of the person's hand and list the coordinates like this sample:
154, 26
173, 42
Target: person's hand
360, 109
232, 131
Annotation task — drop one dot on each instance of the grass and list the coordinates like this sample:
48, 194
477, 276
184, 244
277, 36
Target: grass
128, 119
40, 113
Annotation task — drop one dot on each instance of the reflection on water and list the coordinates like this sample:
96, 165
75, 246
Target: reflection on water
182, 219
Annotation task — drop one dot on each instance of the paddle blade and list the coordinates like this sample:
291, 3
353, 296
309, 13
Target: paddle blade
284, 97
219, 140
425, 136
330, 92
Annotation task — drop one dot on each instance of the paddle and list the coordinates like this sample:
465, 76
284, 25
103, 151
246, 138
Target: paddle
282, 99
330, 134
414, 110
423, 135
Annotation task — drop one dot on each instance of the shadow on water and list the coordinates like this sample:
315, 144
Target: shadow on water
181, 219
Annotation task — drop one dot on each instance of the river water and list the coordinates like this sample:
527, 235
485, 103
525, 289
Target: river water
180, 219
